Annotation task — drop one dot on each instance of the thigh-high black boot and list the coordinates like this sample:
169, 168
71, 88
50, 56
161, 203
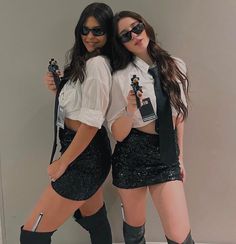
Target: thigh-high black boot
29, 237
97, 225
188, 240
133, 235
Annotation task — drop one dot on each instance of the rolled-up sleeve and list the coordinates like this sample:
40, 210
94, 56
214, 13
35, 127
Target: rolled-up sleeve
118, 101
95, 92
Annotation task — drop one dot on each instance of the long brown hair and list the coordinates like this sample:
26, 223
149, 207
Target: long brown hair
169, 71
78, 54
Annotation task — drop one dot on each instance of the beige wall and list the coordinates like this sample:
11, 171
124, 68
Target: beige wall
202, 32
2, 226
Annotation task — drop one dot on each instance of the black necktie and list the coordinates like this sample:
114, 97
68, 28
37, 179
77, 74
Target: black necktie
55, 128
164, 124
59, 85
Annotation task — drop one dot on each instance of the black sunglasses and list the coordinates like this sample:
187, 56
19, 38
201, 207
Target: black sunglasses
137, 29
97, 31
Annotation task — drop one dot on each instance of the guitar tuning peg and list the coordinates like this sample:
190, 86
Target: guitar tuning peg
51, 60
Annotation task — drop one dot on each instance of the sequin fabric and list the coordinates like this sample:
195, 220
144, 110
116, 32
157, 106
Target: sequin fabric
136, 162
88, 171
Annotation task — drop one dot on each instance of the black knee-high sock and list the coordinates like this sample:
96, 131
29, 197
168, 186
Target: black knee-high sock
133, 235
29, 237
97, 225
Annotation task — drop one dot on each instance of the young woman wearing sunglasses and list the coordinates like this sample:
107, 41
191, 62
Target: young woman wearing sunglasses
77, 176
149, 150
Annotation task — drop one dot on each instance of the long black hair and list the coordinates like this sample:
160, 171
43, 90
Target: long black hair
169, 70
78, 54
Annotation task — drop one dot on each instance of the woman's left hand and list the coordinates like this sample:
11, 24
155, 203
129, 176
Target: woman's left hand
56, 169
182, 172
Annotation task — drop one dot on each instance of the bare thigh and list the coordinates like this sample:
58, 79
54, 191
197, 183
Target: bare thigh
93, 204
55, 209
169, 200
134, 204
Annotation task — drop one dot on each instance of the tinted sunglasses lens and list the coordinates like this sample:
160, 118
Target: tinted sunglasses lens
85, 30
98, 31
138, 28
126, 37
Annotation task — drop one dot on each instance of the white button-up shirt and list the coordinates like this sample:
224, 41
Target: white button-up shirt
88, 102
121, 81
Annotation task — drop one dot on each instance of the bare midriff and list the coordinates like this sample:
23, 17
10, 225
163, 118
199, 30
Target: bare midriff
150, 128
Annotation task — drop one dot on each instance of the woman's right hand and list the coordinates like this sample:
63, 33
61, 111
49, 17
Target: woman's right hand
56, 169
49, 81
132, 103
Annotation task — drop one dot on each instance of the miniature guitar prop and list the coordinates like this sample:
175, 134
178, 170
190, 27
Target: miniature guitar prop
53, 68
136, 88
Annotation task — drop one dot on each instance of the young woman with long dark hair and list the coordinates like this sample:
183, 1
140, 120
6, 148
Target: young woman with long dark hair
77, 176
149, 150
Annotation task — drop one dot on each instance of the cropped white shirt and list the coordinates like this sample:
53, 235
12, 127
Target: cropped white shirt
88, 102
121, 86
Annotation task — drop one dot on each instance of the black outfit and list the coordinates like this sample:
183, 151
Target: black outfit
83, 177
79, 182
88, 171
143, 159
136, 162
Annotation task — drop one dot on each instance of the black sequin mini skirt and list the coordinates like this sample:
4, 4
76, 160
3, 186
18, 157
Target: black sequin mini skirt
88, 171
136, 162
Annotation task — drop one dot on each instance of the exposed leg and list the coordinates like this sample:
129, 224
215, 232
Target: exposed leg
56, 210
169, 200
93, 204
134, 204
50, 212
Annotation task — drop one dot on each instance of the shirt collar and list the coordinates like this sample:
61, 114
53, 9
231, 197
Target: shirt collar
141, 64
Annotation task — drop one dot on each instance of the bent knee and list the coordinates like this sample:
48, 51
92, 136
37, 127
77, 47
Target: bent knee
135, 222
135, 218
90, 209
